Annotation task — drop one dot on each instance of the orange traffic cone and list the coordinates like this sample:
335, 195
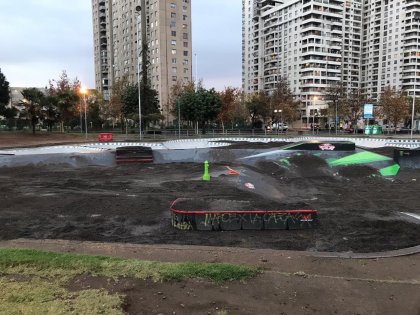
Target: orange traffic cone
233, 172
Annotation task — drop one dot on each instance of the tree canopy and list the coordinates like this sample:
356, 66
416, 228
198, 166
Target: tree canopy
67, 98
5, 111
199, 105
283, 100
32, 103
394, 105
150, 111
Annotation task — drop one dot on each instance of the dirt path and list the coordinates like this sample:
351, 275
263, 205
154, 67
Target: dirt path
292, 283
15, 140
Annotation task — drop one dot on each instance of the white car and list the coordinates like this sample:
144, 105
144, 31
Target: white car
280, 126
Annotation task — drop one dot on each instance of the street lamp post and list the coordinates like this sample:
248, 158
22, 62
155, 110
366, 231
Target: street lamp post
81, 121
336, 114
281, 119
84, 92
313, 117
414, 102
179, 119
138, 10
313, 122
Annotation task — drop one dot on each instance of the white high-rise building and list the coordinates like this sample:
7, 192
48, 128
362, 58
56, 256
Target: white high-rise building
365, 44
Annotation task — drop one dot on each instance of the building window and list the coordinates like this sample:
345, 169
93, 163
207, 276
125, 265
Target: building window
173, 5
173, 33
185, 53
173, 51
173, 61
173, 42
174, 78
186, 44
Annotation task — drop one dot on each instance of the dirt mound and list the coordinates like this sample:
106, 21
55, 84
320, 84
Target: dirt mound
271, 167
308, 165
357, 171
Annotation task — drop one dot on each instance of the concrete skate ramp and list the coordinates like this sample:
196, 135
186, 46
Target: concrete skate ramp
231, 215
199, 155
100, 158
134, 155
407, 158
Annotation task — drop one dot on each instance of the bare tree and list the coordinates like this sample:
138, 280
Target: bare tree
229, 98
116, 105
283, 100
337, 100
394, 105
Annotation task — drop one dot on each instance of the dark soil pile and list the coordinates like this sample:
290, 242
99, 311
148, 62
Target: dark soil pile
357, 171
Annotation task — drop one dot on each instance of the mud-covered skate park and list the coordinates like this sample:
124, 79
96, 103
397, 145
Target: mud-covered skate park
332, 223
320, 195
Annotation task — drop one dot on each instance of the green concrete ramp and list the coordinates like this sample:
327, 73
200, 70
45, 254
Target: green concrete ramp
365, 157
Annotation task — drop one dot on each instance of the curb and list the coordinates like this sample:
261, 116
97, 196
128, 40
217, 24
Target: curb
69, 246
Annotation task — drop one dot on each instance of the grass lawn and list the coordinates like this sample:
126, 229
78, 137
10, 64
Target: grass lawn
34, 282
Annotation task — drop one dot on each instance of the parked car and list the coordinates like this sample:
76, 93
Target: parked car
280, 127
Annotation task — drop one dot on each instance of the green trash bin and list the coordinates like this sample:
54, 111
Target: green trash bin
368, 130
375, 130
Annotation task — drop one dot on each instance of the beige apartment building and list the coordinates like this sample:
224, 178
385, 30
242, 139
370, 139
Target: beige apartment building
164, 27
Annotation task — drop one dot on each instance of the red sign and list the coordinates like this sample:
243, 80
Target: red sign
306, 218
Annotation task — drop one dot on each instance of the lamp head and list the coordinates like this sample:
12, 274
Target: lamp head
138, 8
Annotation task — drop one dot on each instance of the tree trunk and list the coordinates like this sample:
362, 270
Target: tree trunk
33, 126
203, 127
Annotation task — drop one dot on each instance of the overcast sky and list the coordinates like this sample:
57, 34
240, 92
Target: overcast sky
40, 38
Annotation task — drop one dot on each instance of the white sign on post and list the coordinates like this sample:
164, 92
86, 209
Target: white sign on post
368, 111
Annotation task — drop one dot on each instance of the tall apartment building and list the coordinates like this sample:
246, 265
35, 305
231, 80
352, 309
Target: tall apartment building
165, 28
366, 44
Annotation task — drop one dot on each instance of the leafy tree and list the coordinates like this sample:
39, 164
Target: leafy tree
176, 90
7, 112
200, 106
4, 92
240, 113
32, 102
94, 108
150, 111
67, 97
394, 105
284, 100
259, 106
49, 111
229, 98
115, 109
